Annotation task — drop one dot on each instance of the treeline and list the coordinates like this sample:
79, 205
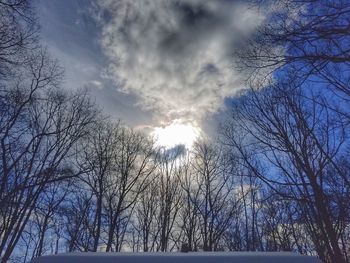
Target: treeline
276, 179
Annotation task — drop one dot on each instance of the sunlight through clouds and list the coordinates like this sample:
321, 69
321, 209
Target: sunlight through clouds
175, 56
176, 133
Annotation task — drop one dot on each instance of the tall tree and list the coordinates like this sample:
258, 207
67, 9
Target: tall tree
302, 140
134, 157
39, 125
214, 199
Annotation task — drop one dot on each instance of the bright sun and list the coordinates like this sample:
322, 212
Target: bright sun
176, 133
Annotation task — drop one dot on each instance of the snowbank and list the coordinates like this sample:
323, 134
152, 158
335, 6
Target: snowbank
177, 257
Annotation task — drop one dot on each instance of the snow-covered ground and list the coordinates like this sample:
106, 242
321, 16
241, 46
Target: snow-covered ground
177, 257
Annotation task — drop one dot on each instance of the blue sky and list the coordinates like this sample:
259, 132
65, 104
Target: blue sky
153, 62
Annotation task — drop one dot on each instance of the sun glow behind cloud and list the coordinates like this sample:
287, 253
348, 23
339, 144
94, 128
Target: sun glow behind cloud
175, 56
176, 133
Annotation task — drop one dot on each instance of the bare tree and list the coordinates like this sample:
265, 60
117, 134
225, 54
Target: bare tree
309, 38
309, 35
146, 213
77, 215
18, 35
39, 125
134, 157
213, 194
169, 196
189, 214
44, 218
302, 140
96, 159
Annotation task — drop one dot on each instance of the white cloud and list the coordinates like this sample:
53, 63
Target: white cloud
97, 84
175, 56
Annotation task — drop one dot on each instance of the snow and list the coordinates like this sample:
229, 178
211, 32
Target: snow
177, 257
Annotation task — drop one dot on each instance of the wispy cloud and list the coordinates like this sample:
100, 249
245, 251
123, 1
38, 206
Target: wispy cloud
175, 56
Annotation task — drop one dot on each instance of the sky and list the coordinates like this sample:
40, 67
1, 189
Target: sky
151, 63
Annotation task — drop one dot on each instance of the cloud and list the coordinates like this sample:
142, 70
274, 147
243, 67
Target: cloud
175, 56
96, 84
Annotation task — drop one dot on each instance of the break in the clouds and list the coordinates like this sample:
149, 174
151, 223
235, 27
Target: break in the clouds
175, 56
